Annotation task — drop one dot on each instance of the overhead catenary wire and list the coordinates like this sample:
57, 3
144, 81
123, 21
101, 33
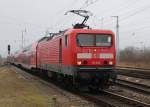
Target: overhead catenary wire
61, 12
90, 3
120, 8
137, 29
87, 3
135, 12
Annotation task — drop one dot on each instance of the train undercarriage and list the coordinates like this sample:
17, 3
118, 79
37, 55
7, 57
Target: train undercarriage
93, 81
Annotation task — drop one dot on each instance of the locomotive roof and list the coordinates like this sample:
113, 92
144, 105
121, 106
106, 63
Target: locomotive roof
43, 38
90, 31
53, 35
66, 32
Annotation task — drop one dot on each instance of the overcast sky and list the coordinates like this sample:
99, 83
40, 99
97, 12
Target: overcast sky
39, 16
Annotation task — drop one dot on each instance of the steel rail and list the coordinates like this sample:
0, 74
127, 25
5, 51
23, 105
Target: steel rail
137, 68
138, 73
127, 100
144, 89
110, 99
97, 100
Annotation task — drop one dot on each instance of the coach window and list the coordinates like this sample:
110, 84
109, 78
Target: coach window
66, 40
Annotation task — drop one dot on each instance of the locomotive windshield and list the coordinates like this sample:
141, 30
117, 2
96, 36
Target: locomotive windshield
94, 40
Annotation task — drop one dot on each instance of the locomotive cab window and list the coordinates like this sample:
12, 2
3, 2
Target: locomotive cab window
102, 40
66, 40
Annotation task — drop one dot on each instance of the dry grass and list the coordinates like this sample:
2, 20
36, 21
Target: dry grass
17, 92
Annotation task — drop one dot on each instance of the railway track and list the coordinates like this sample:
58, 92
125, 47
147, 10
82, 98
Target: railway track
138, 68
105, 99
144, 89
110, 99
137, 73
126, 100
134, 72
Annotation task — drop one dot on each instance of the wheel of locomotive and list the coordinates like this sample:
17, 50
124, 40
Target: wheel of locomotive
76, 86
94, 86
49, 74
68, 82
104, 84
93, 89
52, 75
60, 79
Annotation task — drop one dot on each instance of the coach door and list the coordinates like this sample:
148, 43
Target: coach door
60, 51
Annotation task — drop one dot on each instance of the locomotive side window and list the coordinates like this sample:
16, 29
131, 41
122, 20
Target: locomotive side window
66, 40
94, 40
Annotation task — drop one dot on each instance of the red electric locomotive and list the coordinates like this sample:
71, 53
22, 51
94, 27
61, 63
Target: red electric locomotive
78, 56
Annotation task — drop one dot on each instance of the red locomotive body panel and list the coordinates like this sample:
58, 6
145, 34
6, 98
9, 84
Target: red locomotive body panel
53, 53
63, 52
94, 51
59, 54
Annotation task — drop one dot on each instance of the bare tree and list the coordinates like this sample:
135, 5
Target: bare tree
133, 54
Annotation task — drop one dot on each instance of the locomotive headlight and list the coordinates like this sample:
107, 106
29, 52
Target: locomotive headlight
110, 63
79, 62
106, 55
84, 55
